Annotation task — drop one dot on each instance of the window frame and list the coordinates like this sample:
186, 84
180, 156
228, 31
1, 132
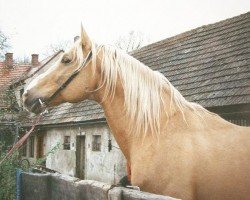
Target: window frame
66, 142
96, 143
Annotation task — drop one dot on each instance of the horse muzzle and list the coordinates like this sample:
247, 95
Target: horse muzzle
33, 104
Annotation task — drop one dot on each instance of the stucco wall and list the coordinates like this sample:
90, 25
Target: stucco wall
101, 165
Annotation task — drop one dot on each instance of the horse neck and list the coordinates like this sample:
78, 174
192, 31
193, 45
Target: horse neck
119, 122
116, 119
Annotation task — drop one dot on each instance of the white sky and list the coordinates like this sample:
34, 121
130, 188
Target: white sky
32, 24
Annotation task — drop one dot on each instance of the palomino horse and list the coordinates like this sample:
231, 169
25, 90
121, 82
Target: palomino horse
174, 147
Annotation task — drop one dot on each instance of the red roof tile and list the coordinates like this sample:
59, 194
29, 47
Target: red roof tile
8, 76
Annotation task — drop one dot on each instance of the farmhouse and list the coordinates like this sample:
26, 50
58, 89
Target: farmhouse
9, 72
208, 65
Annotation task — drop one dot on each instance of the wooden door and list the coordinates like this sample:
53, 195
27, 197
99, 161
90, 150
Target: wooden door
80, 157
40, 145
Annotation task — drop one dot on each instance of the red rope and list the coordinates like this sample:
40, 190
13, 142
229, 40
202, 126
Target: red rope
20, 142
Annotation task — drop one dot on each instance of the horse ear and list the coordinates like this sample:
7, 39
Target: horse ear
86, 42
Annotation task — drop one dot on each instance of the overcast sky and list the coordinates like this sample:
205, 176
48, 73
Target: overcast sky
32, 25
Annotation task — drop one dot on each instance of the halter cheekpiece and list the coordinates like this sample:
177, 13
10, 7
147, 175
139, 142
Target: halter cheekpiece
66, 83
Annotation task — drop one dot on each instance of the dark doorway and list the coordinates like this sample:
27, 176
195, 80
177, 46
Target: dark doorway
40, 145
80, 157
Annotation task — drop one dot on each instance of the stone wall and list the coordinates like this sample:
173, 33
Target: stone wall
62, 187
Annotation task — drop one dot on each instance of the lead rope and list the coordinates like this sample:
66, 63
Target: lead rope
20, 142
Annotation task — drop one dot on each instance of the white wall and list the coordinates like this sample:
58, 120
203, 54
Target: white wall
102, 166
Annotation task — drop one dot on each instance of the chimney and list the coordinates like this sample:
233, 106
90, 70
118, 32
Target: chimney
34, 60
76, 38
9, 60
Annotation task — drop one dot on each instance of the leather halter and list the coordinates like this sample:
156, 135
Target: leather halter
67, 82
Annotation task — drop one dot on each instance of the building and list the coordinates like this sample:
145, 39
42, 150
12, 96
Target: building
209, 65
12, 76
9, 72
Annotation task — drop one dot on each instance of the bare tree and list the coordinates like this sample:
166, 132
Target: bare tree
22, 59
57, 46
132, 41
4, 44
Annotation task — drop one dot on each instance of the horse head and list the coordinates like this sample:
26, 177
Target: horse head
69, 80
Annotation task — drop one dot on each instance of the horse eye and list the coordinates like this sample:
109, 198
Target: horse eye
66, 60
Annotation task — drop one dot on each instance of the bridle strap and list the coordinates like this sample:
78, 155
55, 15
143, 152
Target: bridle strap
67, 82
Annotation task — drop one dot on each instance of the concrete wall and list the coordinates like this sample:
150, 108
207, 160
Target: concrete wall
61, 187
101, 165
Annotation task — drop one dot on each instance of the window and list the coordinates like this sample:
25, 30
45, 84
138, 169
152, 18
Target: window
32, 146
96, 143
66, 144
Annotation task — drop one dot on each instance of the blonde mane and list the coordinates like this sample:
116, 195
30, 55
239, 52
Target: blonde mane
143, 89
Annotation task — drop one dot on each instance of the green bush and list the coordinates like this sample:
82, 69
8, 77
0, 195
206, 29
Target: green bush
8, 176
8, 172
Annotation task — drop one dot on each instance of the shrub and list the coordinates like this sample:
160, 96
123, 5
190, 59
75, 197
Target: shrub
8, 176
8, 172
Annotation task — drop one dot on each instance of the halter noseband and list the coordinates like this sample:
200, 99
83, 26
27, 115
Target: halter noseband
66, 83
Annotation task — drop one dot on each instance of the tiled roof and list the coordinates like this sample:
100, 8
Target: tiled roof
78, 112
7, 77
209, 65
